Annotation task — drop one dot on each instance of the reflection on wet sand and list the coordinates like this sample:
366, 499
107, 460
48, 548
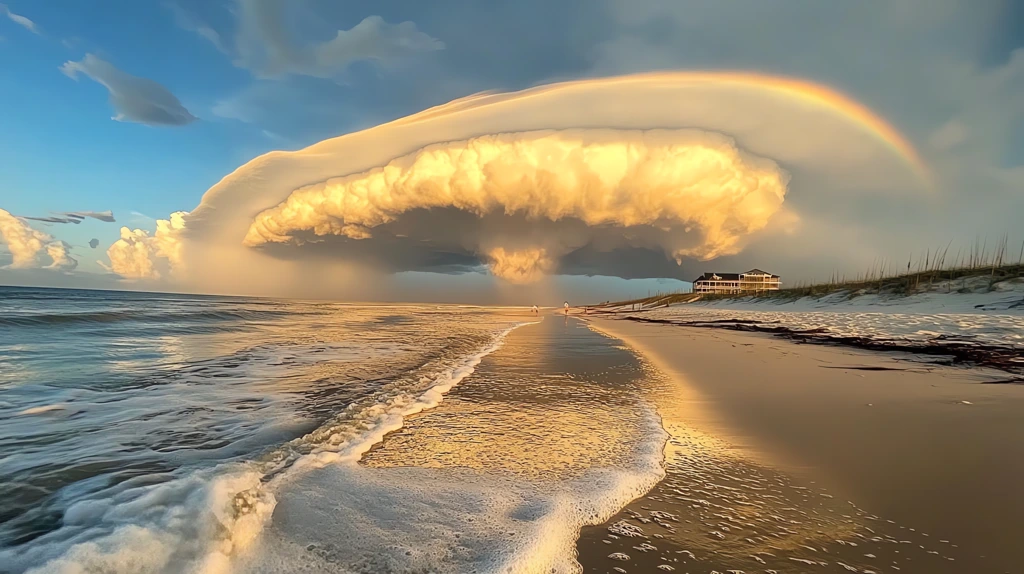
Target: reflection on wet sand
720, 510
548, 406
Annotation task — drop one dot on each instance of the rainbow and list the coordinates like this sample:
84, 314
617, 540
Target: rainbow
804, 91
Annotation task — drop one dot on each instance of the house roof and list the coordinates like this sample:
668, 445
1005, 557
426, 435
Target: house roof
721, 277
707, 276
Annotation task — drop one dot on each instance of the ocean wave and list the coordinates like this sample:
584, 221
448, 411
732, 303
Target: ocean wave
351, 518
196, 522
139, 315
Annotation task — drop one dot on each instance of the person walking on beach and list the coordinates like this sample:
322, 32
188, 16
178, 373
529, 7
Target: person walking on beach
566, 305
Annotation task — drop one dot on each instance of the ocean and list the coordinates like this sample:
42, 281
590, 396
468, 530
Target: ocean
179, 433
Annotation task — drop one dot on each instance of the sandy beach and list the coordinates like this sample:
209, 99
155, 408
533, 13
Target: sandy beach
798, 457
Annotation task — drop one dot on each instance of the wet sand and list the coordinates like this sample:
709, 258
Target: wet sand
806, 458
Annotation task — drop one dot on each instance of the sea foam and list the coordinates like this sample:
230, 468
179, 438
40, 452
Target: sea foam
352, 518
198, 522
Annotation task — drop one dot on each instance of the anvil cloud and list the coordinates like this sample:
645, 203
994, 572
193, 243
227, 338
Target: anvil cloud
632, 176
610, 180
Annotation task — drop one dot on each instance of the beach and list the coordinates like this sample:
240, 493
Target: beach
215, 435
885, 462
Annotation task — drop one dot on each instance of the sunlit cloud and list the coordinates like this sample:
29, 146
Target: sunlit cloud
558, 179
614, 182
27, 245
140, 255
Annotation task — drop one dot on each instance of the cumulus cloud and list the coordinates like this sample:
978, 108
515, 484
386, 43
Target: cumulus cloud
139, 255
27, 245
20, 20
557, 179
612, 181
135, 99
522, 265
60, 256
265, 44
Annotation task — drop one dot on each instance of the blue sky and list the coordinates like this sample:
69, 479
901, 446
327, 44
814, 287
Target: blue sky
948, 74
62, 152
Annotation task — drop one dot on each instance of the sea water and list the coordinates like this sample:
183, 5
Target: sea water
174, 433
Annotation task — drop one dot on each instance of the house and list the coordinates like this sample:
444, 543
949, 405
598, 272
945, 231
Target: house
753, 281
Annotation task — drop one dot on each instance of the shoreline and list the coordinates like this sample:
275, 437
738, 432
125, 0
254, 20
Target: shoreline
951, 353
904, 451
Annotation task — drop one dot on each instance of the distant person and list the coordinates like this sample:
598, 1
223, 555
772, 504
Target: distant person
566, 305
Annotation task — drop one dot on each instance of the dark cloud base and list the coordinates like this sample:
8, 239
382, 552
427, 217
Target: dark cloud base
446, 241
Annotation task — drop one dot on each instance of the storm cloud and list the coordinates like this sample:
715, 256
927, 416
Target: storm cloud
689, 194
529, 184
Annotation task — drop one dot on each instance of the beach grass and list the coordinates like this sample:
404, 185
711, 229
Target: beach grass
980, 268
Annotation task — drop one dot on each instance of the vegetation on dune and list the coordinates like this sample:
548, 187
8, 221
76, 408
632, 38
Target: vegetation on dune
979, 269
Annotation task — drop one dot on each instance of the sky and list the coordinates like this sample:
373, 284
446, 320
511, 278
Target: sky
804, 138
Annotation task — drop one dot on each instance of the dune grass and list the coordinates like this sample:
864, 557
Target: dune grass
979, 268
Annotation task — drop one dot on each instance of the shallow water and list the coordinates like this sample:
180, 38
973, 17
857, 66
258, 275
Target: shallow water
128, 416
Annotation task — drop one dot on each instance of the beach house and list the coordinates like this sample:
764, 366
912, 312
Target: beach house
753, 281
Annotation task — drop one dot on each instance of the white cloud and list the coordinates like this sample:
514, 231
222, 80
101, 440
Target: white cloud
139, 255
59, 253
20, 20
135, 99
602, 178
266, 46
437, 191
27, 245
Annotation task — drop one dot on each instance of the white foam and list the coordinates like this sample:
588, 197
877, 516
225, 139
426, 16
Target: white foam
190, 524
344, 518
42, 409
359, 432
196, 523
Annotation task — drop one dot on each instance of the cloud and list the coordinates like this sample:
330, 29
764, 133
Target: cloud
59, 253
631, 184
107, 216
75, 217
139, 255
134, 99
27, 244
50, 219
188, 22
20, 20
557, 179
265, 44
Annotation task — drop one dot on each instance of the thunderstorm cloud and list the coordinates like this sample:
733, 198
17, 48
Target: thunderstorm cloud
561, 179
688, 194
